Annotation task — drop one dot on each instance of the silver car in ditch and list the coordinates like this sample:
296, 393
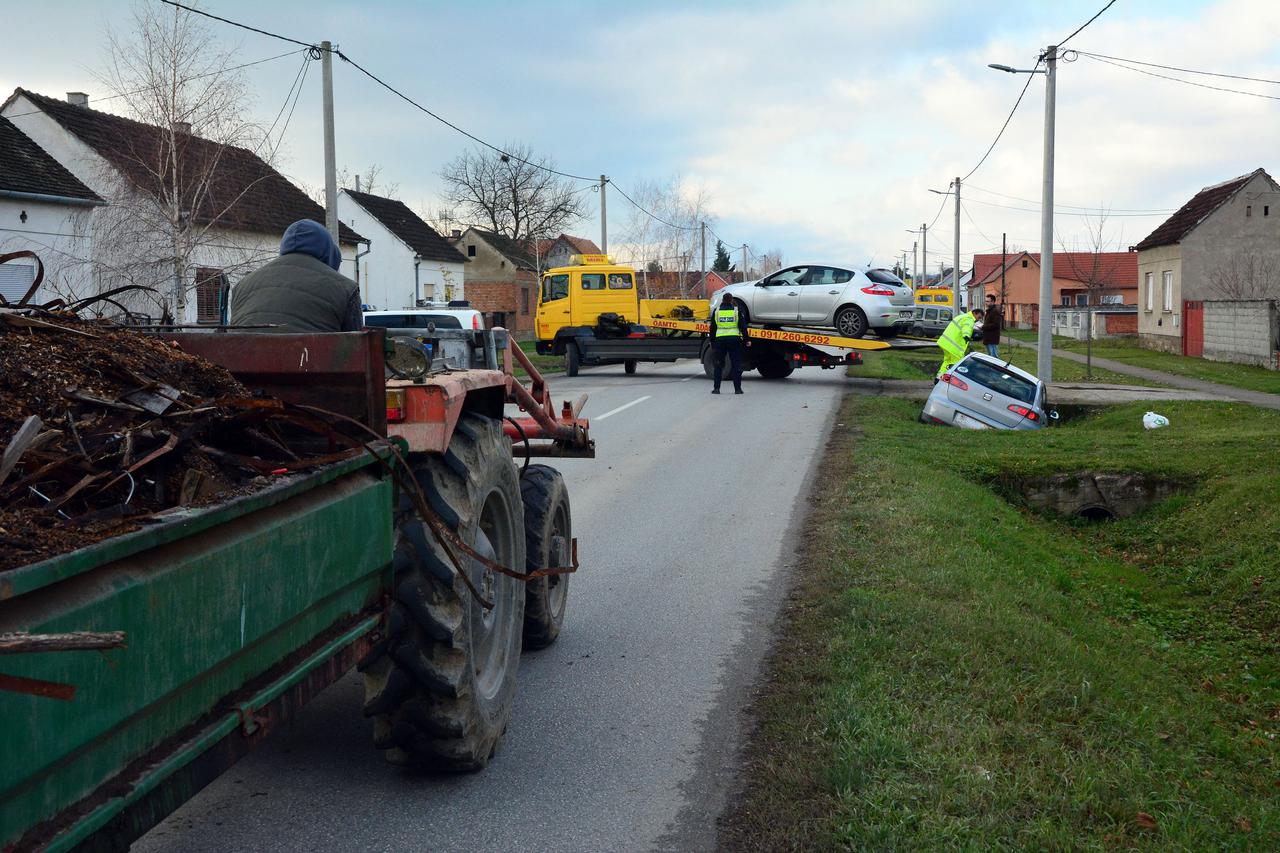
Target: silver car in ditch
851, 299
981, 392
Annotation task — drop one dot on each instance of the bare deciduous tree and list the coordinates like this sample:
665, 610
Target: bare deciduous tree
671, 237
1250, 275
770, 261
167, 190
513, 196
1093, 269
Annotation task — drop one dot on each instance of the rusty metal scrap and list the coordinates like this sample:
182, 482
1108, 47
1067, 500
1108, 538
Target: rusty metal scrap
102, 427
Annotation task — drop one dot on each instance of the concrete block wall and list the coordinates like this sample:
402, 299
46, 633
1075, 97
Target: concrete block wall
1242, 331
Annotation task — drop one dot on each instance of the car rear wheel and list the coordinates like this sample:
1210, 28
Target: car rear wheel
851, 322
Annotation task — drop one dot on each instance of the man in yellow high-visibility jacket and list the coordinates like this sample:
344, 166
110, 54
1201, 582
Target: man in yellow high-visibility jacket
954, 341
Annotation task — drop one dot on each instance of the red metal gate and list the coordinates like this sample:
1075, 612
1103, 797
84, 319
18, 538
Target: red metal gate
1192, 328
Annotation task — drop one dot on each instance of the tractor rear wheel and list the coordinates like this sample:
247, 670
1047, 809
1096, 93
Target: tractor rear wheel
441, 682
548, 532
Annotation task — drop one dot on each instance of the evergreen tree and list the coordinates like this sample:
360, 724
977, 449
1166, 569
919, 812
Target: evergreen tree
722, 262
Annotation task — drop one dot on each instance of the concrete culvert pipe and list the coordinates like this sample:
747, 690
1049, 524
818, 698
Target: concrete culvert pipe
1096, 513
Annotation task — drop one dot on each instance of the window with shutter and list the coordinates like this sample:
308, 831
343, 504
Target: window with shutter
211, 296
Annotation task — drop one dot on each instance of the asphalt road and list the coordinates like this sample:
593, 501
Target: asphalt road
624, 732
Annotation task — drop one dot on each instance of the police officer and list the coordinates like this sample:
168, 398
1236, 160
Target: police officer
955, 339
729, 330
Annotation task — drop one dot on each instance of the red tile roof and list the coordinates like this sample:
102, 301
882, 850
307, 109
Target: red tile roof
244, 192
581, 245
1108, 269
1191, 214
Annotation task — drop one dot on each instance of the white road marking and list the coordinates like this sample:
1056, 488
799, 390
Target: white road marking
613, 412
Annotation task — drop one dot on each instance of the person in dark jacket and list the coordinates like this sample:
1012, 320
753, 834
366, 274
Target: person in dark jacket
992, 323
302, 290
728, 332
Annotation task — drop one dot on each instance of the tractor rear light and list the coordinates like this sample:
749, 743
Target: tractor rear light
1023, 411
878, 290
952, 379
395, 405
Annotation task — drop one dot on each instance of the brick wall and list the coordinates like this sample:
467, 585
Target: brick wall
1122, 324
1241, 331
505, 303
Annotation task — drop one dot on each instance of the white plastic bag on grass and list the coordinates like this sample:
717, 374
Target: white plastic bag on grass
1153, 421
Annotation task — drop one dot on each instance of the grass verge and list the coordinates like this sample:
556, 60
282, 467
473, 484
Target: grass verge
546, 364
923, 363
1127, 351
957, 672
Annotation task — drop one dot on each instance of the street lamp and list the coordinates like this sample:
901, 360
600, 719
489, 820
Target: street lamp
1044, 336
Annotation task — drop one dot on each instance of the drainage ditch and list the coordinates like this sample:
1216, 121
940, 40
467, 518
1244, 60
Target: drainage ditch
1092, 496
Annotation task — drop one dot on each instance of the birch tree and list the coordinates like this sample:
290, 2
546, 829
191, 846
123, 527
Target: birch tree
168, 193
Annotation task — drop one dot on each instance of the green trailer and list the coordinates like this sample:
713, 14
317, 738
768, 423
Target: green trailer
235, 615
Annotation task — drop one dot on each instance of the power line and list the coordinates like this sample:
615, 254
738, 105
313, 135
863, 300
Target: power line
1087, 23
1065, 212
650, 213
938, 215
1180, 80
237, 24
1057, 205
1016, 104
975, 224
1176, 68
306, 65
96, 98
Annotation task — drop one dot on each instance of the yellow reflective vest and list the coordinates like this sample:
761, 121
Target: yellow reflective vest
955, 338
727, 323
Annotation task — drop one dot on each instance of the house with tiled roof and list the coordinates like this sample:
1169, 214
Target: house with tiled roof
557, 251
233, 208
43, 209
1233, 225
408, 262
1106, 278
502, 278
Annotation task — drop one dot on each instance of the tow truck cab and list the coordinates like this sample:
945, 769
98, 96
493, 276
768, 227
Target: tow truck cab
594, 297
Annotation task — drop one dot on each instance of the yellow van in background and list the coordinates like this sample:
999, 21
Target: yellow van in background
935, 296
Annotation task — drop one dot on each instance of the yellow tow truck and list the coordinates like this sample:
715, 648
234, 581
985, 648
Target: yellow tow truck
591, 312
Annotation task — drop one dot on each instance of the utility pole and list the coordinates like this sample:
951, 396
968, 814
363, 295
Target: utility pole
702, 272
915, 264
744, 261
924, 250
330, 158
955, 251
1004, 262
604, 220
1044, 338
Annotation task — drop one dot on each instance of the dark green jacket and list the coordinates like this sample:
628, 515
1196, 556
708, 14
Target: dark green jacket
299, 293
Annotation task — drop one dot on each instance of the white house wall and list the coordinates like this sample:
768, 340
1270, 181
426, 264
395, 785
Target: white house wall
60, 234
387, 271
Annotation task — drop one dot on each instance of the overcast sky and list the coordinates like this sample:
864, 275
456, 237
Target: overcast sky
818, 127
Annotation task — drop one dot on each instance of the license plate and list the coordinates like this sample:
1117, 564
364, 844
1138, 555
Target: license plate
963, 420
906, 315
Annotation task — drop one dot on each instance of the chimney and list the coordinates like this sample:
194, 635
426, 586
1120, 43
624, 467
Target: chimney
79, 99
457, 234
182, 127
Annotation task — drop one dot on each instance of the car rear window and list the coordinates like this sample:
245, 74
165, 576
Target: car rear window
885, 277
990, 375
413, 321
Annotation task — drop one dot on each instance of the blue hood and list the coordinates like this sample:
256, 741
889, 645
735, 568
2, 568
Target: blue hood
311, 238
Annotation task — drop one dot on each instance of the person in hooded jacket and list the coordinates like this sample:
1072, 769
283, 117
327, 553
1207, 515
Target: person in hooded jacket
302, 290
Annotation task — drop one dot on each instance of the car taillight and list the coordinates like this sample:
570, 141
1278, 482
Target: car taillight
1029, 414
475, 321
878, 290
395, 406
952, 379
